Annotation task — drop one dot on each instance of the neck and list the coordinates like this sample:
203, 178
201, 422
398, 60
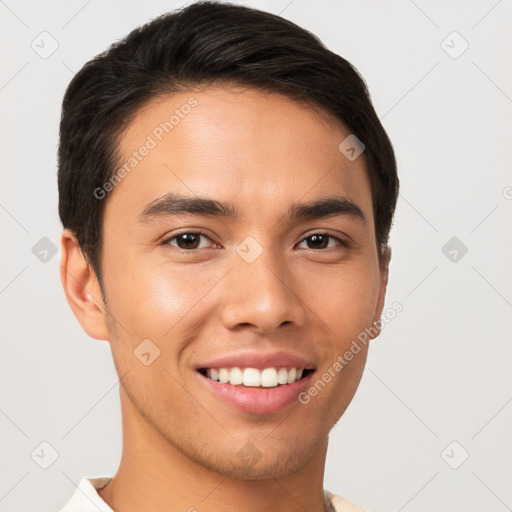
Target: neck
155, 475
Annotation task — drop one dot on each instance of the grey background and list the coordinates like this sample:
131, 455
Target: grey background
440, 371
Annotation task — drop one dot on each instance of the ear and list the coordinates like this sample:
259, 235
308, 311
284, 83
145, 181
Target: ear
82, 288
384, 273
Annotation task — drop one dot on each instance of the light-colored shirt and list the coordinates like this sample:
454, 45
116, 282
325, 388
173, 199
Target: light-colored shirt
86, 498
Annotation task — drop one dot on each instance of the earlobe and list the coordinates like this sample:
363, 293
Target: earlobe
384, 274
82, 289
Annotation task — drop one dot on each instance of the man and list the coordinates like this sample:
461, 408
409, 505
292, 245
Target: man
227, 192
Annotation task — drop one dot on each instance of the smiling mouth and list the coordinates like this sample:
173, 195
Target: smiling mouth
254, 377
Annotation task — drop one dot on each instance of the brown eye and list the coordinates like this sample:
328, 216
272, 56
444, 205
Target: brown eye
186, 241
322, 241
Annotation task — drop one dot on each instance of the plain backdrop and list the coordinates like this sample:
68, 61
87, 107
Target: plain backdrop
429, 428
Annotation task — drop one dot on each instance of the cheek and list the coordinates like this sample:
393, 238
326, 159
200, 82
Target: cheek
138, 288
345, 298
157, 300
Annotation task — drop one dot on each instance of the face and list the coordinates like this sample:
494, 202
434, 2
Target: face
242, 238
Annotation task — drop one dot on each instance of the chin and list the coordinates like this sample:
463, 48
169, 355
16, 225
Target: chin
267, 467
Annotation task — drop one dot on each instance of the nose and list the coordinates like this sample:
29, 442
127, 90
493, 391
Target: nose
261, 295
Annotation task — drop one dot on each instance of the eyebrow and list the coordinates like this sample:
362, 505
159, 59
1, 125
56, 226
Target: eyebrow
178, 204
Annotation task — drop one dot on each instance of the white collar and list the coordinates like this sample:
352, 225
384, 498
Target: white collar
86, 498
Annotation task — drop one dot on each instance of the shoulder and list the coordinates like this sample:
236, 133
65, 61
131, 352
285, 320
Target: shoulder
341, 504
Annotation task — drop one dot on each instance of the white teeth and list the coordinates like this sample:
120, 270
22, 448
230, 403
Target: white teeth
223, 375
282, 376
252, 377
292, 375
236, 376
269, 378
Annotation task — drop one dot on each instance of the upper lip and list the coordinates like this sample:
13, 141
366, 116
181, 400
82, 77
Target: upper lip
259, 360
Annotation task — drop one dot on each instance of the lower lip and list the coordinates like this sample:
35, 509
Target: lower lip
258, 400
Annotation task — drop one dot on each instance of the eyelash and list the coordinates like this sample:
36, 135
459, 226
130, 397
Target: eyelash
167, 241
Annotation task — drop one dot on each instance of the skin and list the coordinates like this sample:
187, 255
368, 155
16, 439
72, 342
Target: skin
261, 152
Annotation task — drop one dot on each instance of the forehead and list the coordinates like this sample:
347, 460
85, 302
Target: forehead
257, 149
